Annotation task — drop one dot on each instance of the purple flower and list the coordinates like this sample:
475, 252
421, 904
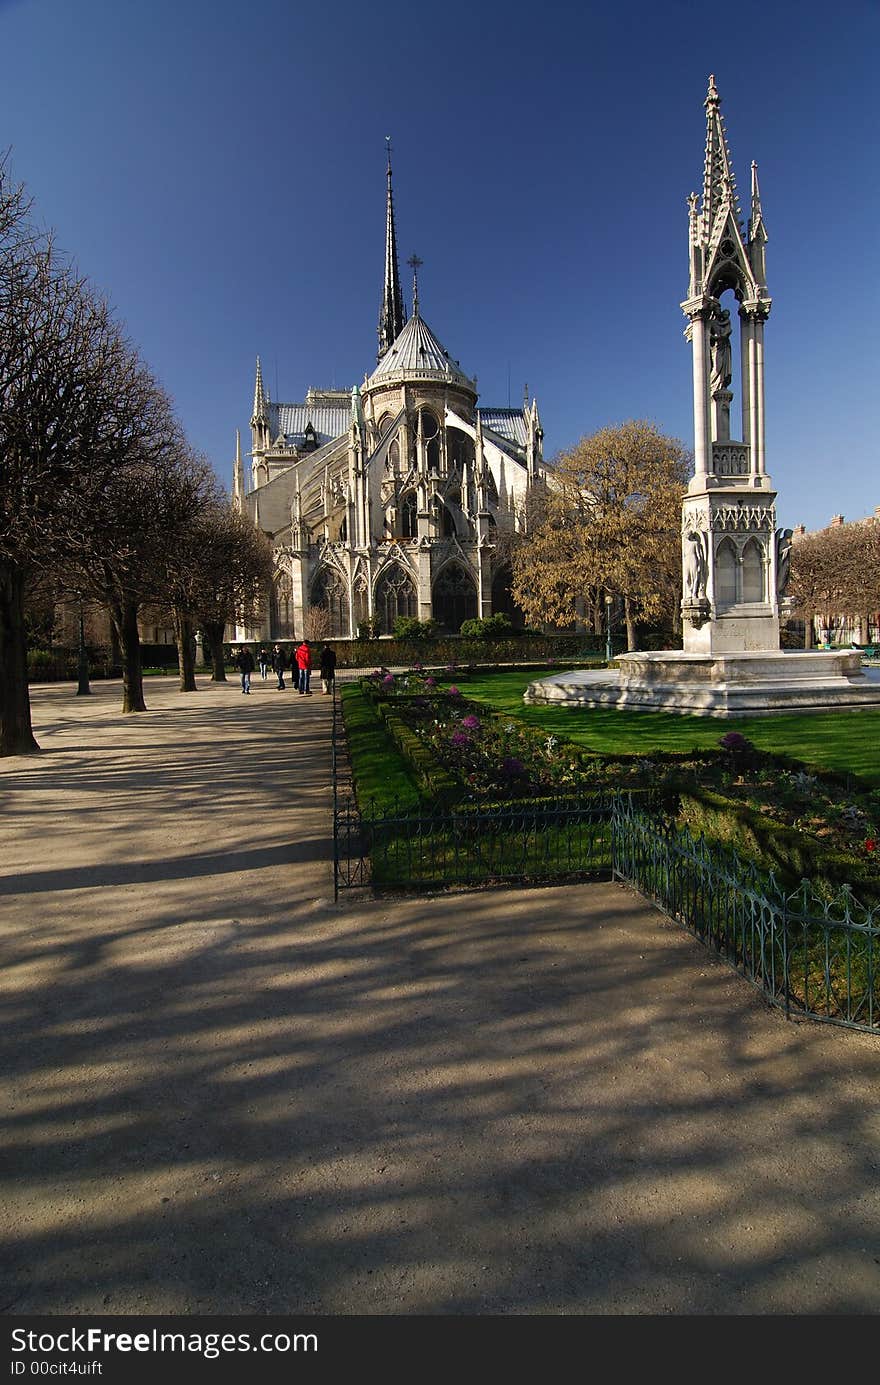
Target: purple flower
430, 682
454, 692
735, 743
460, 739
511, 767
388, 681
471, 723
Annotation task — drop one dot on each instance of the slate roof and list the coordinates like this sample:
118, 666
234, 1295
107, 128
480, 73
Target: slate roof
328, 421
417, 353
509, 424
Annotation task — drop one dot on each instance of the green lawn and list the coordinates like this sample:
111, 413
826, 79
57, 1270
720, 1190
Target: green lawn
380, 772
845, 741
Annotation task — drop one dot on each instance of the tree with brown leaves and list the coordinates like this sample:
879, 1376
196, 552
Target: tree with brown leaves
609, 523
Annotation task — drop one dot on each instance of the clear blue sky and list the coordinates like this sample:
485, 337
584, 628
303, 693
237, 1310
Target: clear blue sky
218, 169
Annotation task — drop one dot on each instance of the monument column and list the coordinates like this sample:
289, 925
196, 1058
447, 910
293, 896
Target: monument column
745, 340
698, 334
758, 338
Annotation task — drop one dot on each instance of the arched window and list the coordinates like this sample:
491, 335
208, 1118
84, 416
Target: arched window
725, 573
431, 434
409, 509
330, 590
459, 448
454, 597
395, 596
752, 572
384, 424
445, 521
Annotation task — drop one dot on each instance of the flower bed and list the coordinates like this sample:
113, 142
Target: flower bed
493, 757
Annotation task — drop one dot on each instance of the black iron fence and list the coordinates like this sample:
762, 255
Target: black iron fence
425, 847
812, 953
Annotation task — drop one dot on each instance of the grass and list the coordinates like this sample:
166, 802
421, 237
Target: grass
379, 770
842, 741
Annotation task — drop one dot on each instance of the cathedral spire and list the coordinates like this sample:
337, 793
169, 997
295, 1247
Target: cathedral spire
756, 220
260, 414
719, 185
393, 315
237, 473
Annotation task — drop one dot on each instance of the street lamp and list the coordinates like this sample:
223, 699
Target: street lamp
608, 601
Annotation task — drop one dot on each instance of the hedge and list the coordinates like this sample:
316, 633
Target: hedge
793, 856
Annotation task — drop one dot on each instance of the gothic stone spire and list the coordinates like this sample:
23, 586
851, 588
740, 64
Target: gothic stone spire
719, 185
393, 315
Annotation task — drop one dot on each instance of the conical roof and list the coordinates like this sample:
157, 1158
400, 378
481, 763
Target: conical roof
416, 354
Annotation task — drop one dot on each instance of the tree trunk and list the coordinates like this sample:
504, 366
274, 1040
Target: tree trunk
125, 620
186, 651
213, 634
808, 630
630, 625
16, 735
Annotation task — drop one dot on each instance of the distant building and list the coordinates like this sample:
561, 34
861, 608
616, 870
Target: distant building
387, 500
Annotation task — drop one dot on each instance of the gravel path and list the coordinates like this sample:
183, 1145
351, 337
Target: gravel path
223, 1093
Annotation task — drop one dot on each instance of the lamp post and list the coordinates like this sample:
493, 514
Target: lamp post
608, 601
83, 689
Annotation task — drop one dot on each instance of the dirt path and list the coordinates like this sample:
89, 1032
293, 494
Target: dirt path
222, 1093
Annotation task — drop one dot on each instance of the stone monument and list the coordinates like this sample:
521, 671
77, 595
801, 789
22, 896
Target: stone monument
735, 561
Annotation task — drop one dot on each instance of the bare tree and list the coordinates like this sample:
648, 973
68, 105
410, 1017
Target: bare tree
143, 515
72, 400
233, 567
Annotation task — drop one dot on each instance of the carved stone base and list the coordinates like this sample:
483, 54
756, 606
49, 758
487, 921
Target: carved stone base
721, 685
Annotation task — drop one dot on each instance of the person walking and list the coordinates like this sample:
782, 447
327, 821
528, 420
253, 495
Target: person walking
328, 669
264, 663
303, 658
245, 664
279, 664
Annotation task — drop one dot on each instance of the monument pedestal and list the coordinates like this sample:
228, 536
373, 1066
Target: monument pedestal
752, 684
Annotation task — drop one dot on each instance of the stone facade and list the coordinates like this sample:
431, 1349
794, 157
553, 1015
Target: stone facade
389, 499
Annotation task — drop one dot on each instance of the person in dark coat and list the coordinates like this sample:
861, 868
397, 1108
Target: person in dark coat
279, 664
264, 663
328, 668
245, 664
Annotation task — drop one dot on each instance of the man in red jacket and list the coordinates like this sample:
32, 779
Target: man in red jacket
303, 658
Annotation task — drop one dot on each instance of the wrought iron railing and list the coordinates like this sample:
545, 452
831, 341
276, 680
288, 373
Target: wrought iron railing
810, 952
433, 847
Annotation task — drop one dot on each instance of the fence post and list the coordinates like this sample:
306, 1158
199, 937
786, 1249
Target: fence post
335, 799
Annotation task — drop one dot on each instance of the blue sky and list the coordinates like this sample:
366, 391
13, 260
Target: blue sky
218, 169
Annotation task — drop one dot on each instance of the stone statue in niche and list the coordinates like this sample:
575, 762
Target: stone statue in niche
696, 568
720, 331
783, 560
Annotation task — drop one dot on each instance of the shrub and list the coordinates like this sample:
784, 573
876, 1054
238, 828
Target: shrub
409, 628
497, 627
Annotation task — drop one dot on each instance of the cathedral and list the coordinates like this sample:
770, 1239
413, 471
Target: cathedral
392, 498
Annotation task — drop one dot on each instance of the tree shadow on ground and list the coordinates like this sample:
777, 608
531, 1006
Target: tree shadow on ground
224, 1094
